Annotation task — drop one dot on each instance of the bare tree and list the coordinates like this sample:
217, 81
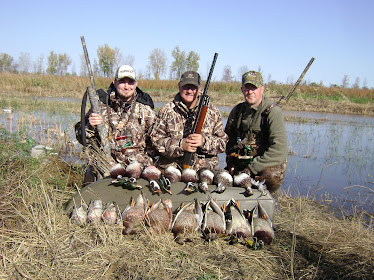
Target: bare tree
39, 65
129, 60
83, 69
357, 83
157, 63
24, 62
227, 74
345, 81
242, 69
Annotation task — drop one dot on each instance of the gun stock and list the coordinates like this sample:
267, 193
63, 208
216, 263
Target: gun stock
94, 100
286, 98
203, 107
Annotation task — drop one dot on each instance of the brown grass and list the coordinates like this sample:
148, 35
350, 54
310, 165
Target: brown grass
39, 242
305, 98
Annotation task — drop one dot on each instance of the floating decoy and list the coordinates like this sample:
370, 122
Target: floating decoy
159, 216
187, 221
214, 223
173, 174
244, 180
222, 179
95, 211
133, 215
205, 178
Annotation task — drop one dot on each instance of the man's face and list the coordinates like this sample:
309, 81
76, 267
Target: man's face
252, 94
125, 88
189, 94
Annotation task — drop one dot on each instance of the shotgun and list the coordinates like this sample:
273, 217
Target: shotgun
201, 113
297, 82
94, 100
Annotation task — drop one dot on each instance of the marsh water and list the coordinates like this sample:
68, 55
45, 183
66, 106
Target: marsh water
331, 156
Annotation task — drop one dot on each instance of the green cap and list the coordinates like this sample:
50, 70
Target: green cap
252, 77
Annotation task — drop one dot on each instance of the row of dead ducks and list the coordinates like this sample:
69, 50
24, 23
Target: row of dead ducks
210, 218
195, 180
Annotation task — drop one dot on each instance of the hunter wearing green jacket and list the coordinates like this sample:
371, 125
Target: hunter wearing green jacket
257, 135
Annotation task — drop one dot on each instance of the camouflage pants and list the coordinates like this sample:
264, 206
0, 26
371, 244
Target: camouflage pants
273, 175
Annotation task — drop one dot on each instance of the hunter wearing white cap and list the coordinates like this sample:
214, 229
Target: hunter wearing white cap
125, 71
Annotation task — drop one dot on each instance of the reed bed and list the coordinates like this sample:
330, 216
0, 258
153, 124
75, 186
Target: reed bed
38, 241
33, 85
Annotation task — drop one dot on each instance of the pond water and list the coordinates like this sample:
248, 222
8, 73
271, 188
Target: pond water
331, 156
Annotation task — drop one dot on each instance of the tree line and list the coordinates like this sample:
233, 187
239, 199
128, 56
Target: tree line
109, 59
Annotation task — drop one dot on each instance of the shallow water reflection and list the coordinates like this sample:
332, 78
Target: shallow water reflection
330, 155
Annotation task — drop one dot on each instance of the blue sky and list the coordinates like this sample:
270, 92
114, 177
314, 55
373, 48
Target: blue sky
278, 36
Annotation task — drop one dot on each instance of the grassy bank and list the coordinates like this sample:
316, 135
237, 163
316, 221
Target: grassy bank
305, 98
39, 242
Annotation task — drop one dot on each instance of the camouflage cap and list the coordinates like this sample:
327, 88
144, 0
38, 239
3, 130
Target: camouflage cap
252, 77
190, 78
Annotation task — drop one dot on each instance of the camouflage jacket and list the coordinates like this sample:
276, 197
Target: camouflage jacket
267, 135
129, 126
174, 122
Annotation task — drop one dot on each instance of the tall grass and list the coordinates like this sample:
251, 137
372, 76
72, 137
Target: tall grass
74, 86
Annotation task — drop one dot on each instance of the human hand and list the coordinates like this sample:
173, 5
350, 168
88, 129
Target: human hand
192, 142
95, 119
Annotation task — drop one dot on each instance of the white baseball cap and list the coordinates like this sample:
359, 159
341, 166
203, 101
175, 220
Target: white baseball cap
125, 71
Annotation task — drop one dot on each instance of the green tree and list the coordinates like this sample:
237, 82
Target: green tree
157, 63
63, 63
108, 59
6, 62
192, 61
179, 64
52, 64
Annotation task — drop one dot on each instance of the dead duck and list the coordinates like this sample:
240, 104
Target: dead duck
159, 216
133, 215
244, 180
173, 174
134, 170
205, 178
236, 223
222, 179
214, 223
95, 210
117, 170
129, 183
79, 215
151, 172
110, 214
262, 226
189, 176
260, 186
187, 221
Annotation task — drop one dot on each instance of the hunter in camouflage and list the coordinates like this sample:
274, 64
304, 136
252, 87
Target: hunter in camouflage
257, 124
129, 117
171, 134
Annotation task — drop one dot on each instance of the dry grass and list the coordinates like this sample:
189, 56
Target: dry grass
38, 241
